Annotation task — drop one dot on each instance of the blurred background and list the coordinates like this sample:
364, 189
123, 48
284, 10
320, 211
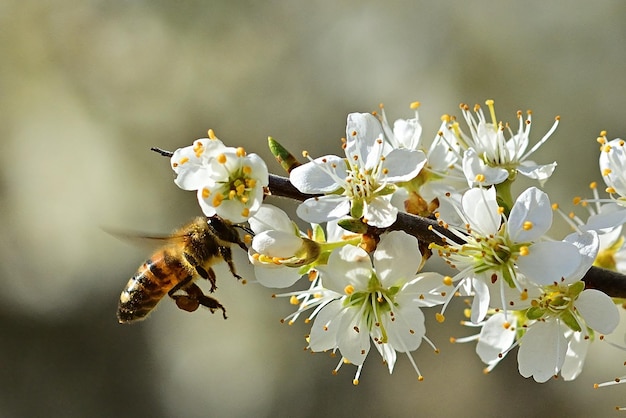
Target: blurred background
86, 88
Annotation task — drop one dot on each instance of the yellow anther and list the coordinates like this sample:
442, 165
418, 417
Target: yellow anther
205, 193
528, 225
245, 212
240, 152
183, 160
294, 300
506, 325
500, 210
447, 280
610, 190
523, 295
414, 105
593, 185
606, 171
349, 289
439, 317
221, 158
217, 199
212, 134
524, 250
480, 178
247, 170
555, 206
576, 200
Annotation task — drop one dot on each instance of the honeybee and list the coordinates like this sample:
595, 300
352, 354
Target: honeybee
186, 254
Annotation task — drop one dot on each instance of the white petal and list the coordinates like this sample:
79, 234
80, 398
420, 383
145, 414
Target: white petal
324, 331
495, 338
394, 246
473, 166
425, 290
537, 172
480, 304
380, 212
270, 217
275, 276
276, 243
598, 310
532, 206
610, 216
542, 351
322, 175
575, 357
407, 330
481, 209
353, 338
323, 209
549, 262
588, 244
403, 164
348, 265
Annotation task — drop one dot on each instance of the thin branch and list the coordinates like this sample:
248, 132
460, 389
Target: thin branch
607, 281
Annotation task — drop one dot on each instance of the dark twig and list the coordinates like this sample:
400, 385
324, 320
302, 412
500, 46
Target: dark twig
609, 282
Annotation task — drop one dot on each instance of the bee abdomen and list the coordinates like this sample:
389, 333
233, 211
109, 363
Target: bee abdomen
147, 287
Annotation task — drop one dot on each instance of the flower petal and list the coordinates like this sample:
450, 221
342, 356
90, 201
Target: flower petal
549, 262
575, 357
380, 212
323, 209
598, 310
542, 351
322, 175
531, 216
324, 331
481, 209
270, 217
394, 246
403, 164
275, 276
354, 339
495, 338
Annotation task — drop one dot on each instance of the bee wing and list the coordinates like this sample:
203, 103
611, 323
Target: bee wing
144, 240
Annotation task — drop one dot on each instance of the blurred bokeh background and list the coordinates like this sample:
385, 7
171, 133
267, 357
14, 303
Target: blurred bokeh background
87, 87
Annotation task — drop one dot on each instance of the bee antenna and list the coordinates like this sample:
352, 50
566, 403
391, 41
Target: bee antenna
162, 152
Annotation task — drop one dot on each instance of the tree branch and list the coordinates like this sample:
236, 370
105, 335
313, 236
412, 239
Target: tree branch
607, 281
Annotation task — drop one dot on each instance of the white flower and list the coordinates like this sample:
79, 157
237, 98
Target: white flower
229, 182
490, 158
563, 314
358, 301
278, 249
613, 167
362, 185
442, 173
493, 250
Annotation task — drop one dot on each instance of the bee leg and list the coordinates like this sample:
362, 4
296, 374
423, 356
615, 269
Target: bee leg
209, 275
227, 255
202, 272
194, 298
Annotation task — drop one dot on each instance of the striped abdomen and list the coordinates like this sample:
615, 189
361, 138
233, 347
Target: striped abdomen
149, 285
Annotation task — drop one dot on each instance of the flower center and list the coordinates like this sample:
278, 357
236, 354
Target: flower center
373, 303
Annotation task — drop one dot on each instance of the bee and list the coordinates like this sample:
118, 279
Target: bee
172, 269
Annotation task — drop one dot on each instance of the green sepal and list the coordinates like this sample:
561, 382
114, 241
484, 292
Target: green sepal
568, 318
535, 313
356, 209
576, 289
353, 225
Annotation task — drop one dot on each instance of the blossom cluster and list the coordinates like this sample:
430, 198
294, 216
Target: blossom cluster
367, 281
